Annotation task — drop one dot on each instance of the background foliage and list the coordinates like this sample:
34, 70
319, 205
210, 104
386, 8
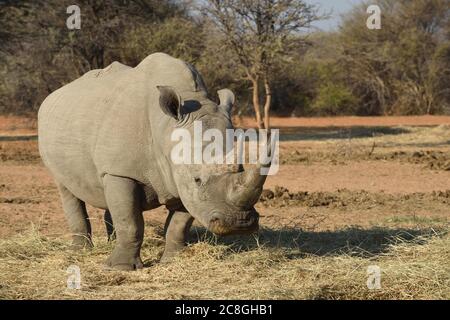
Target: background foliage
404, 68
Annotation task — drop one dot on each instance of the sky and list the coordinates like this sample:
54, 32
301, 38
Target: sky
338, 7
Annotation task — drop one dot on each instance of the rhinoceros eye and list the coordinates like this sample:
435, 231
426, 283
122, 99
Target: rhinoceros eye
198, 181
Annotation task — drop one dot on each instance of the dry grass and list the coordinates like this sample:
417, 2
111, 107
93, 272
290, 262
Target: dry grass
34, 267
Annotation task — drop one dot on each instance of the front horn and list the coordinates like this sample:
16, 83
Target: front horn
244, 188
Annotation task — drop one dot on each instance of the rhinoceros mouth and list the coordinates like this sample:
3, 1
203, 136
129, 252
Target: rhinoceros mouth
222, 227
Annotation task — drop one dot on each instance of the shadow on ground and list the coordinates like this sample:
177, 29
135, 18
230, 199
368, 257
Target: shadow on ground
19, 138
297, 133
298, 243
326, 133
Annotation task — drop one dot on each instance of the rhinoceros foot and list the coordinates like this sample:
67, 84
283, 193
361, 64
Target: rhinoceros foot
81, 242
169, 256
122, 260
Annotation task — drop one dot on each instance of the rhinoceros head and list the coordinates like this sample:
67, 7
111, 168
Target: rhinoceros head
220, 196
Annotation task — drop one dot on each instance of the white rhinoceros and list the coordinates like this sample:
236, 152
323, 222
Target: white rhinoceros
106, 139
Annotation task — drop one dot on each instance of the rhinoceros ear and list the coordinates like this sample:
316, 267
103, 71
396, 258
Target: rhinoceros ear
226, 97
170, 101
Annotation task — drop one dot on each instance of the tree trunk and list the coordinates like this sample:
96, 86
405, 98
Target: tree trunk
256, 104
267, 103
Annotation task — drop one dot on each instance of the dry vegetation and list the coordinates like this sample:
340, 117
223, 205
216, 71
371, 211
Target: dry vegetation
322, 225
34, 267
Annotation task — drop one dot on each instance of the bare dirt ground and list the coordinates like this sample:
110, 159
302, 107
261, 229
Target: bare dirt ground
17, 126
350, 192
279, 122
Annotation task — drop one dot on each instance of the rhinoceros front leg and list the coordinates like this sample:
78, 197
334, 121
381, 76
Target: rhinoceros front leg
177, 228
123, 200
77, 217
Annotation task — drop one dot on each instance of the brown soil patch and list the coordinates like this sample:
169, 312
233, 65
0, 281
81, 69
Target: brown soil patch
279, 122
281, 197
15, 125
373, 176
19, 152
431, 159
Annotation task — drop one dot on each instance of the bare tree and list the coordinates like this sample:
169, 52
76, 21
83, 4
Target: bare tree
260, 33
403, 68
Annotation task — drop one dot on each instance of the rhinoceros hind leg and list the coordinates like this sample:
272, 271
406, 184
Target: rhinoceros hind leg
123, 200
77, 217
111, 233
177, 228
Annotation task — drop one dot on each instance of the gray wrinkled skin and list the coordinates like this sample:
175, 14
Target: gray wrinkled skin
105, 138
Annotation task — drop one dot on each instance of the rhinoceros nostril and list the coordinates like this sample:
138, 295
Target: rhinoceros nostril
215, 219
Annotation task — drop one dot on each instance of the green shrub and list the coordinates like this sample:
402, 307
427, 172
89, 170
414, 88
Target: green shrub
334, 99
